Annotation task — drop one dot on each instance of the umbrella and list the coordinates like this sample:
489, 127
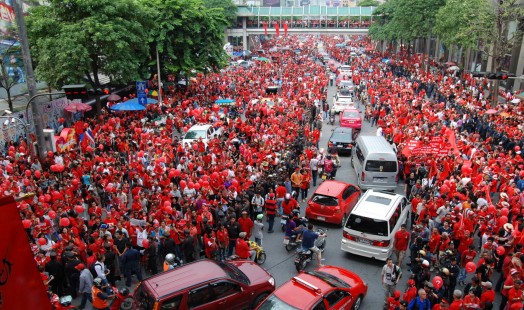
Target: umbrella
453, 68
263, 59
504, 114
491, 111
113, 97
515, 100
78, 107
129, 105
149, 101
450, 63
224, 101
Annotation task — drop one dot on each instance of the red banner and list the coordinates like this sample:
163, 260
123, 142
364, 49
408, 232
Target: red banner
21, 286
285, 29
277, 29
265, 28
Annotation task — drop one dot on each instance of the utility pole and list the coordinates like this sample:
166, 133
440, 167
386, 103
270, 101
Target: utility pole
428, 45
31, 81
159, 80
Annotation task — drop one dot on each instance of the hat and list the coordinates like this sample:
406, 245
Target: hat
508, 227
513, 271
242, 234
260, 216
103, 226
80, 266
487, 284
396, 294
411, 282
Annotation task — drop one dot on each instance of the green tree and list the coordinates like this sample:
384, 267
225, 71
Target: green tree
75, 40
414, 18
188, 35
229, 9
385, 28
368, 3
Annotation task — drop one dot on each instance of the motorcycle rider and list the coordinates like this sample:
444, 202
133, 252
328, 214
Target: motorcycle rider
171, 262
308, 243
289, 204
329, 167
333, 151
243, 249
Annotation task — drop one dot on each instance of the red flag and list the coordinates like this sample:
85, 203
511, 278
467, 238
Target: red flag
285, 29
21, 286
265, 28
277, 29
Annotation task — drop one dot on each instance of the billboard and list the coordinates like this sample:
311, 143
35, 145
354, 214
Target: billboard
271, 3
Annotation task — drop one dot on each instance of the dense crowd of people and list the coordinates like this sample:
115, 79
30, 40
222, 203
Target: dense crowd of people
137, 199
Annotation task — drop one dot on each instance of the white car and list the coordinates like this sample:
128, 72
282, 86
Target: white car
345, 71
204, 131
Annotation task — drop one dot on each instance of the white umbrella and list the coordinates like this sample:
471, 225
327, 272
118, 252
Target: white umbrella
453, 68
515, 100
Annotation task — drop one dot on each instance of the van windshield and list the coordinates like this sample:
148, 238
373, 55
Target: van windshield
143, 299
195, 134
367, 225
325, 200
381, 166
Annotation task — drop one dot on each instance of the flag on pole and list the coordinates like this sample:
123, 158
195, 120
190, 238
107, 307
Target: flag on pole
21, 286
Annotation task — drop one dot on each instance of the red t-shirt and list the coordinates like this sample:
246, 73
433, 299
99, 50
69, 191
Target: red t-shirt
242, 248
401, 240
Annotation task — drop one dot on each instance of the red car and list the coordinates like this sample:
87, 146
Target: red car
332, 202
351, 118
328, 287
206, 284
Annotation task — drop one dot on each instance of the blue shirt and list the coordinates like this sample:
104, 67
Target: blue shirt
308, 239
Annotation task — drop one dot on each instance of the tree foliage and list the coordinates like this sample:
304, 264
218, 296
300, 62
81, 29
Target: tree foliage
77, 39
228, 8
188, 35
369, 3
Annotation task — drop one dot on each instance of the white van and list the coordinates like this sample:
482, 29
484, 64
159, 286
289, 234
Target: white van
372, 224
375, 163
204, 131
345, 71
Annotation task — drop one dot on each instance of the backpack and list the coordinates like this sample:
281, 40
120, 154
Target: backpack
93, 271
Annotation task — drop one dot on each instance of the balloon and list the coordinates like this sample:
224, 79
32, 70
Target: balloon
145, 244
79, 209
197, 186
500, 250
50, 153
9, 169
186, 129
171, 174
47, 198
234, 182
27, 182
26, 223
167, 203
183, 184
191, 166
491, 208
168, 210
195, 146
38, 174
191, 185
42, 241
437, 282
502, 220
64, 221
75, 182
28, 173
471, 267
224, 173
205, 184
41, 198
11, 148
56, 195
444, 189
214, 175
504, 211
177, 172
52, 214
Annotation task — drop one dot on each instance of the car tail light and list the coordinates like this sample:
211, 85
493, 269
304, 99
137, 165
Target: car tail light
381, 243
346, 235
363, 177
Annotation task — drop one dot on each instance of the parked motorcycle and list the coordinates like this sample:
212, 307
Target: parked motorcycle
305, 256
332, 117
260, 256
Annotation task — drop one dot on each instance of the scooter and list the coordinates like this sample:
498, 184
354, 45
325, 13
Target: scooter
305, 256
331, 117
260, 256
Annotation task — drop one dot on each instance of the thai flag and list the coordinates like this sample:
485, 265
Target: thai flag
89, 135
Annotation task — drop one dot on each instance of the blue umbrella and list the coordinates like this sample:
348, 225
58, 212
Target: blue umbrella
149, 100
224, 101
130, 105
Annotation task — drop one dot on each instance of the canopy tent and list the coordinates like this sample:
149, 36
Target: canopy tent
129, 105
149, 101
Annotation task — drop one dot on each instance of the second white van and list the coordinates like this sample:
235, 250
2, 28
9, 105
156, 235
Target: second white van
372, 224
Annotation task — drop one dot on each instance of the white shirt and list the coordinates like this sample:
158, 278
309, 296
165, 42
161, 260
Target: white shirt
140, 237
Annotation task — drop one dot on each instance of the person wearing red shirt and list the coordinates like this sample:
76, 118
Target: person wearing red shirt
289, 204
488, 294
515, 295
280, 192
466, 257
508, 285
411, 291
471, 302
246, 224
401, 241
457, 301
242, 248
